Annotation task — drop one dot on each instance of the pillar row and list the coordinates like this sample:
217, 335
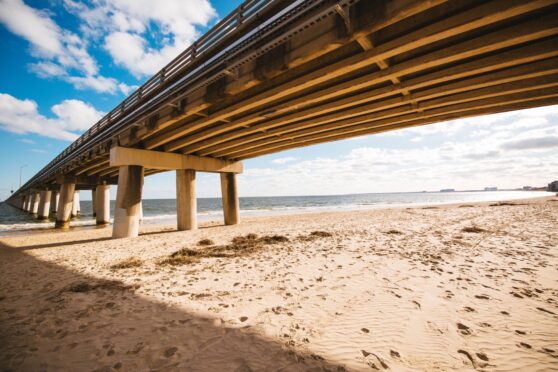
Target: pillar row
102, 204
229, 193
44, 205
186, 206
64, 210
128, 202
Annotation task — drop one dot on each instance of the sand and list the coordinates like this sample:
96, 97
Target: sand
463, 287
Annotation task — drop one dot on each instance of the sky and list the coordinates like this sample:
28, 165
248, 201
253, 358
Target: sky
67, 62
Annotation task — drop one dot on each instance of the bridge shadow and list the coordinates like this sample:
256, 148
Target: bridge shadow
54, 318
74, 241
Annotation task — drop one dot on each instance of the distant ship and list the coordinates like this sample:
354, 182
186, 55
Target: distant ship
447, 190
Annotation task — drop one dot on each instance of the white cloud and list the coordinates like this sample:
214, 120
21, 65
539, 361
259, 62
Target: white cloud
127, 25
514, 148
22, 116
61, 53
283, 160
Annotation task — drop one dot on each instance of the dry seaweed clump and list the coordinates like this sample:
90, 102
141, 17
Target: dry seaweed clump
473, 229
314, 235
82, 287
206, 242
394, 232
127, 263
239, 246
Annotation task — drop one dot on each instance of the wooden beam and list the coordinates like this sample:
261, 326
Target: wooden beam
482, 15
120, 156
512, 106
531, 30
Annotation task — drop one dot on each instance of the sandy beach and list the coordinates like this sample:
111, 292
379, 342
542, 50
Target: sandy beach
462, 287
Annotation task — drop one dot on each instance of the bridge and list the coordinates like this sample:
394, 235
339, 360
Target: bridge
276, 75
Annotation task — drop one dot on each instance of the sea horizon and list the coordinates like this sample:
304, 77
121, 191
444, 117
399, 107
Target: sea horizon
162, 211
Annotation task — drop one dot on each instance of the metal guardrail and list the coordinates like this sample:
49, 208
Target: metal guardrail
222, 32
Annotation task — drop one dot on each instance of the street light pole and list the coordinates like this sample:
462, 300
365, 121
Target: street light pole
20, 168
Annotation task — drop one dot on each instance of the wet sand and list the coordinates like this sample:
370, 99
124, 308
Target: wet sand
462, 287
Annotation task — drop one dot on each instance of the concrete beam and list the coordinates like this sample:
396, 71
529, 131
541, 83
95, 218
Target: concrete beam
64, 211
186, 206
229, 193
122, 156
128, 202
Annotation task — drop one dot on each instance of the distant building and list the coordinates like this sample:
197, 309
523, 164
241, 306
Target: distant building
493, 188
447, 190
553, 186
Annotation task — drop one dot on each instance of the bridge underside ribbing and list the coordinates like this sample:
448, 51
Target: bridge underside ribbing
321, 71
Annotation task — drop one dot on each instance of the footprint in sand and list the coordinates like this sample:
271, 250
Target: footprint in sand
463, 329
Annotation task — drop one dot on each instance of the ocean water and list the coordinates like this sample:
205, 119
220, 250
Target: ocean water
163, 211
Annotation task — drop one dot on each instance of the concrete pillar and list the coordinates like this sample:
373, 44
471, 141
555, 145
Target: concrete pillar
231, 207
34, 203
54, 198
76, 206
26, 202
102, 204
93, 203
141, 212
44, 205
186, 207
64, 210
128, 202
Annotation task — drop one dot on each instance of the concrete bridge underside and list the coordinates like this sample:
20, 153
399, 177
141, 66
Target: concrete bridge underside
292, 74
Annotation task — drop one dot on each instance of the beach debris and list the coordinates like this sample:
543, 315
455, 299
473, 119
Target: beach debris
170, 352
314, 235
127, 263
463, 329
206, 242
243, 318
473, 229
394, 354
365, 330
394, 232
239, 246
546, 311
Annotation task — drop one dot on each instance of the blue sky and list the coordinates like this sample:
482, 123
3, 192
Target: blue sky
67, 62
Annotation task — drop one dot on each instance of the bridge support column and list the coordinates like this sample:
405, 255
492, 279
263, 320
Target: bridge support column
231, 208
102, 204
44, 205
25, 202
54, 198
93, 202
34, 203
128, 202
186, 206
64, 210
76, 210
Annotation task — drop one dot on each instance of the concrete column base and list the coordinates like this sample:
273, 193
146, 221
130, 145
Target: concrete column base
128, 202
44, 205
231, 207
102, 204
186, 205
76, 210
63, 214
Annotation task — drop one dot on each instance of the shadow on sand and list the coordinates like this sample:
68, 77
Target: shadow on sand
55, 319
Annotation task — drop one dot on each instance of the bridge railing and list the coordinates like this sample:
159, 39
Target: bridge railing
205, 44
